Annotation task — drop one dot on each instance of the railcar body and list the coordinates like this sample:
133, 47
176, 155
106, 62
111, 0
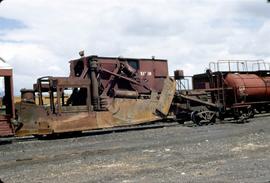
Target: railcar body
103, 92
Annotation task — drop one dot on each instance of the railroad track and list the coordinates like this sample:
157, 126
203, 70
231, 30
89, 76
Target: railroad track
160, 124
7, 140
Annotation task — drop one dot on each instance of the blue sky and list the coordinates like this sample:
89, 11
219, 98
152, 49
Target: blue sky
39, 38
8, 24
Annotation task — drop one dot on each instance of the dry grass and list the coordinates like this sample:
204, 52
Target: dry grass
46, 99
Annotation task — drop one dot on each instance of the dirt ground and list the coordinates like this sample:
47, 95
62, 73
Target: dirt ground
225, 152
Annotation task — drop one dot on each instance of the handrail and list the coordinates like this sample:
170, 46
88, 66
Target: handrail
239, 65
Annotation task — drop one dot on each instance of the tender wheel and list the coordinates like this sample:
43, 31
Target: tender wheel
242, 115
251, 113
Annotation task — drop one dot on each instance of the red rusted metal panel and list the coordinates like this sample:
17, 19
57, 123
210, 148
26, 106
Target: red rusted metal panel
249, 85
8, 111
151, 72
5, 126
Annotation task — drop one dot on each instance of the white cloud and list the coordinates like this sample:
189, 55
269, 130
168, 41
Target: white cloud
188, 33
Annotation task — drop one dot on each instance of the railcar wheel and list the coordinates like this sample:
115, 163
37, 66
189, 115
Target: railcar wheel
213, 120
195, 118
207, 116
221, 115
